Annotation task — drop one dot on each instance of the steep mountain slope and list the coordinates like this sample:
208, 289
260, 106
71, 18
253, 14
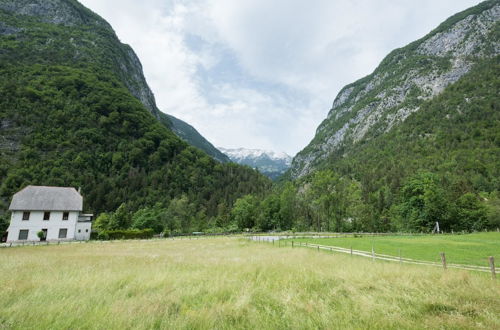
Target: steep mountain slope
407, 81
75, 111
269, 163
96, 43
189, 134
47, 36
414, 143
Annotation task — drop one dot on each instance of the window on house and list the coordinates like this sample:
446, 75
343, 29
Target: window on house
26, 215
65, 215
63, 232
79, 230
23, 234
46, 215
86, 230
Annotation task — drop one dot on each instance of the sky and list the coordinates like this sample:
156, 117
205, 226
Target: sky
263, 74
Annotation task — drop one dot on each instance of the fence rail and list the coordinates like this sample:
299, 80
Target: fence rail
272, 239
377, 256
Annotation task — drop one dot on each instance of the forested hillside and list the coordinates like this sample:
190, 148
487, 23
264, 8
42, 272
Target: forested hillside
189, 134
75, 111
415, 143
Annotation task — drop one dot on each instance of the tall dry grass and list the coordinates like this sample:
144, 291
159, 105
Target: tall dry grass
230, 283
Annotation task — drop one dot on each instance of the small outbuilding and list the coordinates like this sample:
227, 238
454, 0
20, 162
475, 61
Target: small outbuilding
56, 212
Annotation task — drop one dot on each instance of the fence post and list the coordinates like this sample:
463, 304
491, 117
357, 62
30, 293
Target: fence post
443, 259
373, 253
292, 244
351, 251
400, 259
492, 266
318, 248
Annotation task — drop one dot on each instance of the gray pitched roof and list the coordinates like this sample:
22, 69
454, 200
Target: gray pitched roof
42, 198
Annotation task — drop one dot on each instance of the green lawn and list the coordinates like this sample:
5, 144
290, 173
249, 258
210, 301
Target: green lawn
469, 249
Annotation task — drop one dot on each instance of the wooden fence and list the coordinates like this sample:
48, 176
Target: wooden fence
490, 261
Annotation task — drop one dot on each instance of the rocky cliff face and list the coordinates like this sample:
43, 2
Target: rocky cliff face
87, 40
67, 13
404, 80
99, 43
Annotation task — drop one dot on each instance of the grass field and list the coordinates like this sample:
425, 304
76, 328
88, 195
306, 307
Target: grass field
470, 249
229, 283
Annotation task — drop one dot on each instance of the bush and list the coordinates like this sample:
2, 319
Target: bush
103, 235
126, 234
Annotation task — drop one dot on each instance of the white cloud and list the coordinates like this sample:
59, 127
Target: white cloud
260, 73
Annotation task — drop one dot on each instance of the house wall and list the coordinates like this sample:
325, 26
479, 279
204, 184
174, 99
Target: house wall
36, 223
82, 231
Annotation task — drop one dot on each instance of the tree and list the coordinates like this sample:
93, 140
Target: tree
470, 214
244, 212
180, 215
269, 213
120, 219
328, 197
424, 203
492, 203
101, 223
150, 217
288, 206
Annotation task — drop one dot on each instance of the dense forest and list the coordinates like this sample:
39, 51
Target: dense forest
72, 114
69, 116
83, 129
441, 165
444, 170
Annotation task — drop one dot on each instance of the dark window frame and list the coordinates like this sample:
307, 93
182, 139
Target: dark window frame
27, 234
46, 216
26, 215
65, 216
65, 232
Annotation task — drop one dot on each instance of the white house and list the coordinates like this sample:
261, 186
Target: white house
56, 211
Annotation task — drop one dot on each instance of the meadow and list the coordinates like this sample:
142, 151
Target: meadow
231, 283
467, 249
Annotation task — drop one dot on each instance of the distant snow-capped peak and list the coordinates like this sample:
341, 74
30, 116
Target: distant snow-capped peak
242, 153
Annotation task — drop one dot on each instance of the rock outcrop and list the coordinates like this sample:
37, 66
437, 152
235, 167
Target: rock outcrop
89, 39
405, 78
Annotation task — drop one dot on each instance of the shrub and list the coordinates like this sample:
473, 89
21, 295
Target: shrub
40, 234
126, 234
103, 235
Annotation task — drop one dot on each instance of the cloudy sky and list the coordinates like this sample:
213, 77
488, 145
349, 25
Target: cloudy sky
263, 73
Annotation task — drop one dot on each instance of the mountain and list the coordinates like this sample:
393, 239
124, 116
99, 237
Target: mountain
99, 41
189, 134
371, 114
414, 143
269, 163
75, 110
